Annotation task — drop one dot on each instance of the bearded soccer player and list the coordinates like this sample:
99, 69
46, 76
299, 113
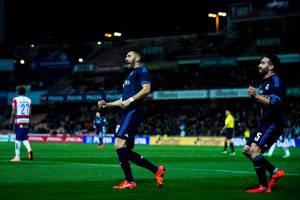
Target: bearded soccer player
270, 97
136, 86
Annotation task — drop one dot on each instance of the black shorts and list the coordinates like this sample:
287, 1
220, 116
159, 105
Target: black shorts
266, 135
129, 143
128, 125
228, 133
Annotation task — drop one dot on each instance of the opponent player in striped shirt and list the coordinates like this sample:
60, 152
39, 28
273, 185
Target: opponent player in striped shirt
20, 118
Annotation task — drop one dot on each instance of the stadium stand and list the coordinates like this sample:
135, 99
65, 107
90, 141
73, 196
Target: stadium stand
182, 62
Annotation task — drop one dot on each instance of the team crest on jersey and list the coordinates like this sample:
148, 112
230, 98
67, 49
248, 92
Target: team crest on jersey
126, 82
259, 91
267, 86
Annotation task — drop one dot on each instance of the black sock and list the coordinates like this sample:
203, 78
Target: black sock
248, 156
225, 146
260, 170
124, 162
268, 166
100, 141
141, 161
231, 146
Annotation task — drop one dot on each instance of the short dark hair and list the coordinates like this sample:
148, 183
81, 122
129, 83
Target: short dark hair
21, 90
275, 61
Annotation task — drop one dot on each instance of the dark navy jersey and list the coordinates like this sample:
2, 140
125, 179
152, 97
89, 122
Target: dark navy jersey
133, 84
273, 88
99, 123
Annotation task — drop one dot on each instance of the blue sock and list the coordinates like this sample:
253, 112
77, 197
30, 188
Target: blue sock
141, 161
124, 162
260, 170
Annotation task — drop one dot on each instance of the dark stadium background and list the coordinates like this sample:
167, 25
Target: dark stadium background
58, 50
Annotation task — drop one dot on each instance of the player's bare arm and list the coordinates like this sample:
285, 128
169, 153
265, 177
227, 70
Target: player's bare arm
13, 113
143, 92
260, 98
104, 104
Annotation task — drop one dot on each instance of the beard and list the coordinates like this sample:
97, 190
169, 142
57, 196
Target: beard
262, 72
131, 64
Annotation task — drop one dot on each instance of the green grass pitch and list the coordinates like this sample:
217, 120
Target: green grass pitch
81, 171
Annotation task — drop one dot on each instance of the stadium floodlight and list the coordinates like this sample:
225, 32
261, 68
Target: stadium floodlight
22, 61
222, 14
32, 45
80, 60
99, 43
217, 19
108, 35
212, 15
117, 34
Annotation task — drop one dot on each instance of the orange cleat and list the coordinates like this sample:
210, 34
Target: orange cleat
15, 159
272, 183
125, 184
159, 175
259, 189
279, 174
275, 177
30, 155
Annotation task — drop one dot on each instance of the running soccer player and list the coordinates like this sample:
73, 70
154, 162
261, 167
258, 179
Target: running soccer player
228, 131
20, 116
100, 125
270, 96
136, 86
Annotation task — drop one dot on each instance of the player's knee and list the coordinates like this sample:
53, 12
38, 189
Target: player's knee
120, 143
255, 150
246, 149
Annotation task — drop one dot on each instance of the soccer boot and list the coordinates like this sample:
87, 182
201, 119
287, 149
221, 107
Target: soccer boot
286, 156
125, 184
232, 154
275, 177
159, 175
15, 159
224, 152
259, 189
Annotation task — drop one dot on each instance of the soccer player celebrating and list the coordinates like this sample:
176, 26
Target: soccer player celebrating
136, 86
21, 110
270, 96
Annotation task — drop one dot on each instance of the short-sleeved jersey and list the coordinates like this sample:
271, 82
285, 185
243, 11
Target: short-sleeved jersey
275, 89
100, 123
229, 121
22, 104
133, 84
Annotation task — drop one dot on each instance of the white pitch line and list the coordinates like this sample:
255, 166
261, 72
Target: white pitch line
172, 168
226, 171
